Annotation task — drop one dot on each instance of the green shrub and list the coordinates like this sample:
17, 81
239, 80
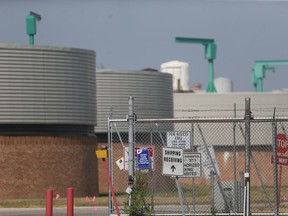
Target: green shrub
138, 205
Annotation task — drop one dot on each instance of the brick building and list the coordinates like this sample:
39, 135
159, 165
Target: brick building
47, 119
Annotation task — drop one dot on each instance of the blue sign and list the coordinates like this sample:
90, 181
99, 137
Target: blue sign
143, 159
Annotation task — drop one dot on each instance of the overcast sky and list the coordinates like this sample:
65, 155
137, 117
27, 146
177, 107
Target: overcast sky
136, 34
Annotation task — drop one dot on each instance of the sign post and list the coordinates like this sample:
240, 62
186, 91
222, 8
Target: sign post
208, 160
173, 165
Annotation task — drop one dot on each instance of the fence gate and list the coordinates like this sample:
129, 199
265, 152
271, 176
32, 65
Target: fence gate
199, 166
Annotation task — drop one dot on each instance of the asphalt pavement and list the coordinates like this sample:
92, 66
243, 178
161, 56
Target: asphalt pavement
78, 211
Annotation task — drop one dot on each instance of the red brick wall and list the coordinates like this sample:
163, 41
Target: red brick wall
103, 183
29, 165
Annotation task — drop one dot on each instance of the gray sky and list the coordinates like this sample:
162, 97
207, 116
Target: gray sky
135, 34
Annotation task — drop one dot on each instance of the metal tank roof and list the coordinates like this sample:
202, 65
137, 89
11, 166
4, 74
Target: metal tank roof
47, 85
152, 92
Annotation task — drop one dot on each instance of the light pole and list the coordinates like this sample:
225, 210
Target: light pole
31, 25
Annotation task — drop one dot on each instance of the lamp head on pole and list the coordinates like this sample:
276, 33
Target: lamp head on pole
31, 25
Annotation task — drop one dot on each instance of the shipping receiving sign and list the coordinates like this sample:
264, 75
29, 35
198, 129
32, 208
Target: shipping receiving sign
172, 161
179, 139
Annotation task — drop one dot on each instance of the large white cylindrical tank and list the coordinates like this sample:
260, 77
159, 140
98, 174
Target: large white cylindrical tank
180, 72
43, 85
223, 85
152, 92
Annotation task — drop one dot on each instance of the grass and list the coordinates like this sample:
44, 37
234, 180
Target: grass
61, 202
202, 197
159, 199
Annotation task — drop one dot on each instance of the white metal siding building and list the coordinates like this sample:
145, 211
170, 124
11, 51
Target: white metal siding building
152, 92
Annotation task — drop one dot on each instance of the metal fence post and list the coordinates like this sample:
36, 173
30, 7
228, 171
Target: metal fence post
152, 175
180, 195
131, 140
247, 119
275, 168
235, 165
193, 179
258, 173
109, 165
212, 196
241, 191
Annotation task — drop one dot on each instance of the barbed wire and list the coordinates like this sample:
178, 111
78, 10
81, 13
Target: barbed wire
120, 109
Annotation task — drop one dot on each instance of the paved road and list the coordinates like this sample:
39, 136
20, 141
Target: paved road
78, 211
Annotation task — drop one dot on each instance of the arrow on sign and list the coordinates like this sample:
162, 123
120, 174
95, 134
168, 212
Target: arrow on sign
173, 168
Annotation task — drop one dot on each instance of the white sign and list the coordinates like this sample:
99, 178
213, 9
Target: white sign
179, 139
172, 161
206, 160
120, 163
192, 165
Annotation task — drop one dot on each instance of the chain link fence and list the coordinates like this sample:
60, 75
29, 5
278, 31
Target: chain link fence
198, 166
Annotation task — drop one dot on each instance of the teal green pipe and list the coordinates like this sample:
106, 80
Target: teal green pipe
260, 85
31, 39
211, 87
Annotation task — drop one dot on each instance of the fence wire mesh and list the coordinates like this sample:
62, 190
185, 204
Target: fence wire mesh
218, 182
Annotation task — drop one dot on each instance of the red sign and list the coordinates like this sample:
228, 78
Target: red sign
150, 149
282, 160
282, 143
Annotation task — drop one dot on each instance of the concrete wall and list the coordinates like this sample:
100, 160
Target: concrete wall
216, 105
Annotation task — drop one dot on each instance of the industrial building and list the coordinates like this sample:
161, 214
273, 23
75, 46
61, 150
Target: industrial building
49, 101
222, 104
47, 119
194, 104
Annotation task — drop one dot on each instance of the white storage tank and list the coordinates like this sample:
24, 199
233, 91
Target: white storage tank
180, 73
223, 85
47, 86
152, 92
